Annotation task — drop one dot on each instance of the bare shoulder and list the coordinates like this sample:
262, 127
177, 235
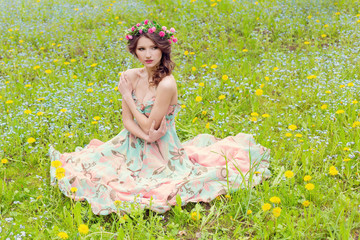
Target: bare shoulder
132, 74
168, 83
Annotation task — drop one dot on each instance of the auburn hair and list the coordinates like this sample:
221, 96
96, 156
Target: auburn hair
166, 64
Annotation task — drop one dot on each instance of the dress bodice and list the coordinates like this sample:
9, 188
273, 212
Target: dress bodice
145, 108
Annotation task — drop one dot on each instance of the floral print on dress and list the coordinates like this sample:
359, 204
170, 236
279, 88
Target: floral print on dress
126, 167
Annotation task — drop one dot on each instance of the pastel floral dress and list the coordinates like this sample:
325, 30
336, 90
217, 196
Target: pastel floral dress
127, 171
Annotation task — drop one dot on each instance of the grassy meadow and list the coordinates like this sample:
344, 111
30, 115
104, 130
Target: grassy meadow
287, 72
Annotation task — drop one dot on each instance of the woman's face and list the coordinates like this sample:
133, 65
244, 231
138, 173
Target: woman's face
148, 53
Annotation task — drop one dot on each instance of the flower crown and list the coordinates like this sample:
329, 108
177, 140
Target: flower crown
151, 27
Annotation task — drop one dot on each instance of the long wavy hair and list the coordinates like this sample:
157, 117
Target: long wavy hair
166, 64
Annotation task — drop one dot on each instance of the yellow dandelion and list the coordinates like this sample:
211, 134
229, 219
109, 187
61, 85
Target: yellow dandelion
27, 111
354, 102
48, 71
193, 69
207, 125
306, 43
195, 118
63, 110
292, 127
201, 84
63, 235
310, 186
89, 90
298, 135
56, 163
66, 63
339, 111
306, 203
60, 173
259, 92
275, 68
275, 199
93, 65
289, 174
277, 212
254, 114
31, 140
97, 118
198, 99
350, 84
248, 212
346, 159
266, 207
288, 134
73, 189
307, 178
9, 101
356, 124
213, 66
267, 79
333, 171
245, 50
328, 91
324, 106
183, 106
186, 53
83, 229
221, 97
73, 60
265, 115
195, 216
225, 77
323, 35
4, 161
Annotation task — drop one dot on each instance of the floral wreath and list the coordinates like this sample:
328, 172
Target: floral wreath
151, 27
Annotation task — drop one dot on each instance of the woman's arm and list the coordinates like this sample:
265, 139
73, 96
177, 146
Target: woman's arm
165, 92
134, 128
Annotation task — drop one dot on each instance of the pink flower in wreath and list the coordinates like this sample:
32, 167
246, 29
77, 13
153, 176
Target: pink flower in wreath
174, 39
162, 34
130, 37
150, 30
138, 24
140, 31
172, 30
163, 28
132, 28
146, 21
169, 41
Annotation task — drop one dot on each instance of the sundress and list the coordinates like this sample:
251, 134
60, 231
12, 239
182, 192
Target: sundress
127, 172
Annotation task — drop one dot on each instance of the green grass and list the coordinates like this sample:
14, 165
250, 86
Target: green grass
35, 33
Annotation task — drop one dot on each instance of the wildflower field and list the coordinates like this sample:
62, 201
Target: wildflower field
287, 72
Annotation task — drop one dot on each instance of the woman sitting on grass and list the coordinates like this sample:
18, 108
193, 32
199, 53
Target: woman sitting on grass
152, 165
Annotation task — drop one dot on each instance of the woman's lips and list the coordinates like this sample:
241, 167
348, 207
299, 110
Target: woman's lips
148, 61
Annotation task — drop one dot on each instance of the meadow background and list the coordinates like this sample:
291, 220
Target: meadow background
285, 71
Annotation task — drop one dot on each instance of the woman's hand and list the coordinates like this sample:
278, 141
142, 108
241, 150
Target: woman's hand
124, 86
156, 134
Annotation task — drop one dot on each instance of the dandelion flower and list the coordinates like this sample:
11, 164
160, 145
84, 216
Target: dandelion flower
276, 212
48, 71
117, 203
186, 53
213, 66
254, 114
259, 92
221, 97
195, 216
289, 174
198, 99
310, 186
93, 65
275, 199
324, 106
292, 127
193, 69
333, 171
83, 229
225, 77
31, 140
207, 125
266, 207
306, 203
89, 90
307, 178
63, 235
288, 134
28, 111
4, 161
265, 115
56, 163
201, 84
60, 173
63, 110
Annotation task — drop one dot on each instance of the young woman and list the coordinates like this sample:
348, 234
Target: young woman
146, 160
